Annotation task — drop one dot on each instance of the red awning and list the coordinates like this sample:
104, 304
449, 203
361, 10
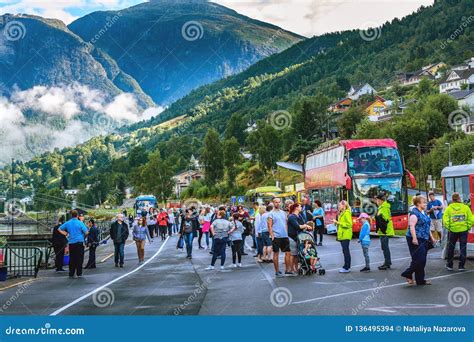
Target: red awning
353, 144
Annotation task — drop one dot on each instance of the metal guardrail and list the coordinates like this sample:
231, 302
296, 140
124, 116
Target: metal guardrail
22, 261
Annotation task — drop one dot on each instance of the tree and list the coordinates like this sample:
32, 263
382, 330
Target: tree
232, 158
265, 144
212, 158
156, 176
309, 126
347, 124
236, 128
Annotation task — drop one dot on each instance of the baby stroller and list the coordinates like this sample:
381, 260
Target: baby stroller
305, 263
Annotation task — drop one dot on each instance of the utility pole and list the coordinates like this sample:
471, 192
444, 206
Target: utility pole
449, 154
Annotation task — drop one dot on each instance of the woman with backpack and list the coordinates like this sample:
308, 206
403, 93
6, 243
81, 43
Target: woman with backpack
188, 223
140, 234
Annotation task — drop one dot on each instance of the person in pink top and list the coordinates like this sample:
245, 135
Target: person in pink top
205, 221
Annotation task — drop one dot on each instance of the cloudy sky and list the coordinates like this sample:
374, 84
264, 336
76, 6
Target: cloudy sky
306, 17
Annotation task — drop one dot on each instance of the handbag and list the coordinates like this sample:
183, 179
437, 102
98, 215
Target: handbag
180, 244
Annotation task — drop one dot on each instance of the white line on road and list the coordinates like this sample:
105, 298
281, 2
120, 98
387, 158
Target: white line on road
58, 311
370, 289
393, 309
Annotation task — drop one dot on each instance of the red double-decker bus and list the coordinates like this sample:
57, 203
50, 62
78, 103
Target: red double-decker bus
356, 171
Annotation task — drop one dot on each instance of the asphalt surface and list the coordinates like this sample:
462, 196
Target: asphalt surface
169, 284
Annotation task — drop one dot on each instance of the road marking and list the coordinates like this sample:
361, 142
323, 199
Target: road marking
58, 311
370, 289
343, 282
392, 309
19, 284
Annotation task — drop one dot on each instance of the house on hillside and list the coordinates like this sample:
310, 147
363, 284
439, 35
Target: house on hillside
465, 98
430, 72
184, 179
376, 107
340, 106
357, 91
390, 108
468, 64
456, 80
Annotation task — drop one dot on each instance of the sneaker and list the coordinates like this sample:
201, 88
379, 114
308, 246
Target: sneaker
121, 265
343, 270
234, 265
279, 275
116, 265
461, 269
60, 271
320, 244
240, 265
384, 267
222, 267
201, 247
449, 268
365, 269
210, 267
290, 274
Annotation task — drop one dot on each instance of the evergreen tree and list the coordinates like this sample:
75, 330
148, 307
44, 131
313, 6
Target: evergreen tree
212, 158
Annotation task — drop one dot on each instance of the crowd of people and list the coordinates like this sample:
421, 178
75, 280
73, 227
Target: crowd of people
273, 228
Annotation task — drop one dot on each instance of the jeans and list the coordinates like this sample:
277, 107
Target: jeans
244, 236
170, 229
200, 238
206, 234
151, 230
175, 228
119, 252
418, 260
91, 261
236, 251
76, 258
386, 250
452, 239
188, 241
347, 253
259, 245
365, 250
219, 249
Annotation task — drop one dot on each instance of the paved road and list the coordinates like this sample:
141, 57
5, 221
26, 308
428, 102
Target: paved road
169, 284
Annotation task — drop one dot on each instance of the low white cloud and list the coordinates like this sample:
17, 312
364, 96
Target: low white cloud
42, 118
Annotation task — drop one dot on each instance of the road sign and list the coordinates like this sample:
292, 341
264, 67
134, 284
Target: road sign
241, 199
233, 199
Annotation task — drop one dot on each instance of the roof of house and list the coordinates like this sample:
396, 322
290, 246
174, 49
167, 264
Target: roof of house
461, 94
463, 74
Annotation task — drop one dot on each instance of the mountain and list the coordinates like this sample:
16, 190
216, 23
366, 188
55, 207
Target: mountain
320, 66
172, 47
47, 53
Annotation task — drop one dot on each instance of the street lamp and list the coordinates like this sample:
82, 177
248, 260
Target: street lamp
449, 154
420, 170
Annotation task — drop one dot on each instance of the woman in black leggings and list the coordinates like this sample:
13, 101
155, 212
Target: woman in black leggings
236, 238
318, 217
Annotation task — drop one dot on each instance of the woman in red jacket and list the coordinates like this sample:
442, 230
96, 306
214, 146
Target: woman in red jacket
162, 222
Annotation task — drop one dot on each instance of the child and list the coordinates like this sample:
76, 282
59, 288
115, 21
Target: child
310, 253
364, 239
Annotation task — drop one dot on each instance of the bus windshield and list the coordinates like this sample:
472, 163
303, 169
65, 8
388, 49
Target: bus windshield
374, 161
365, 190
145, 204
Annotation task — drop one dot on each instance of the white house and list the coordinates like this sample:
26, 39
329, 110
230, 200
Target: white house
455, 79
184, 179
357, 91
465, 98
